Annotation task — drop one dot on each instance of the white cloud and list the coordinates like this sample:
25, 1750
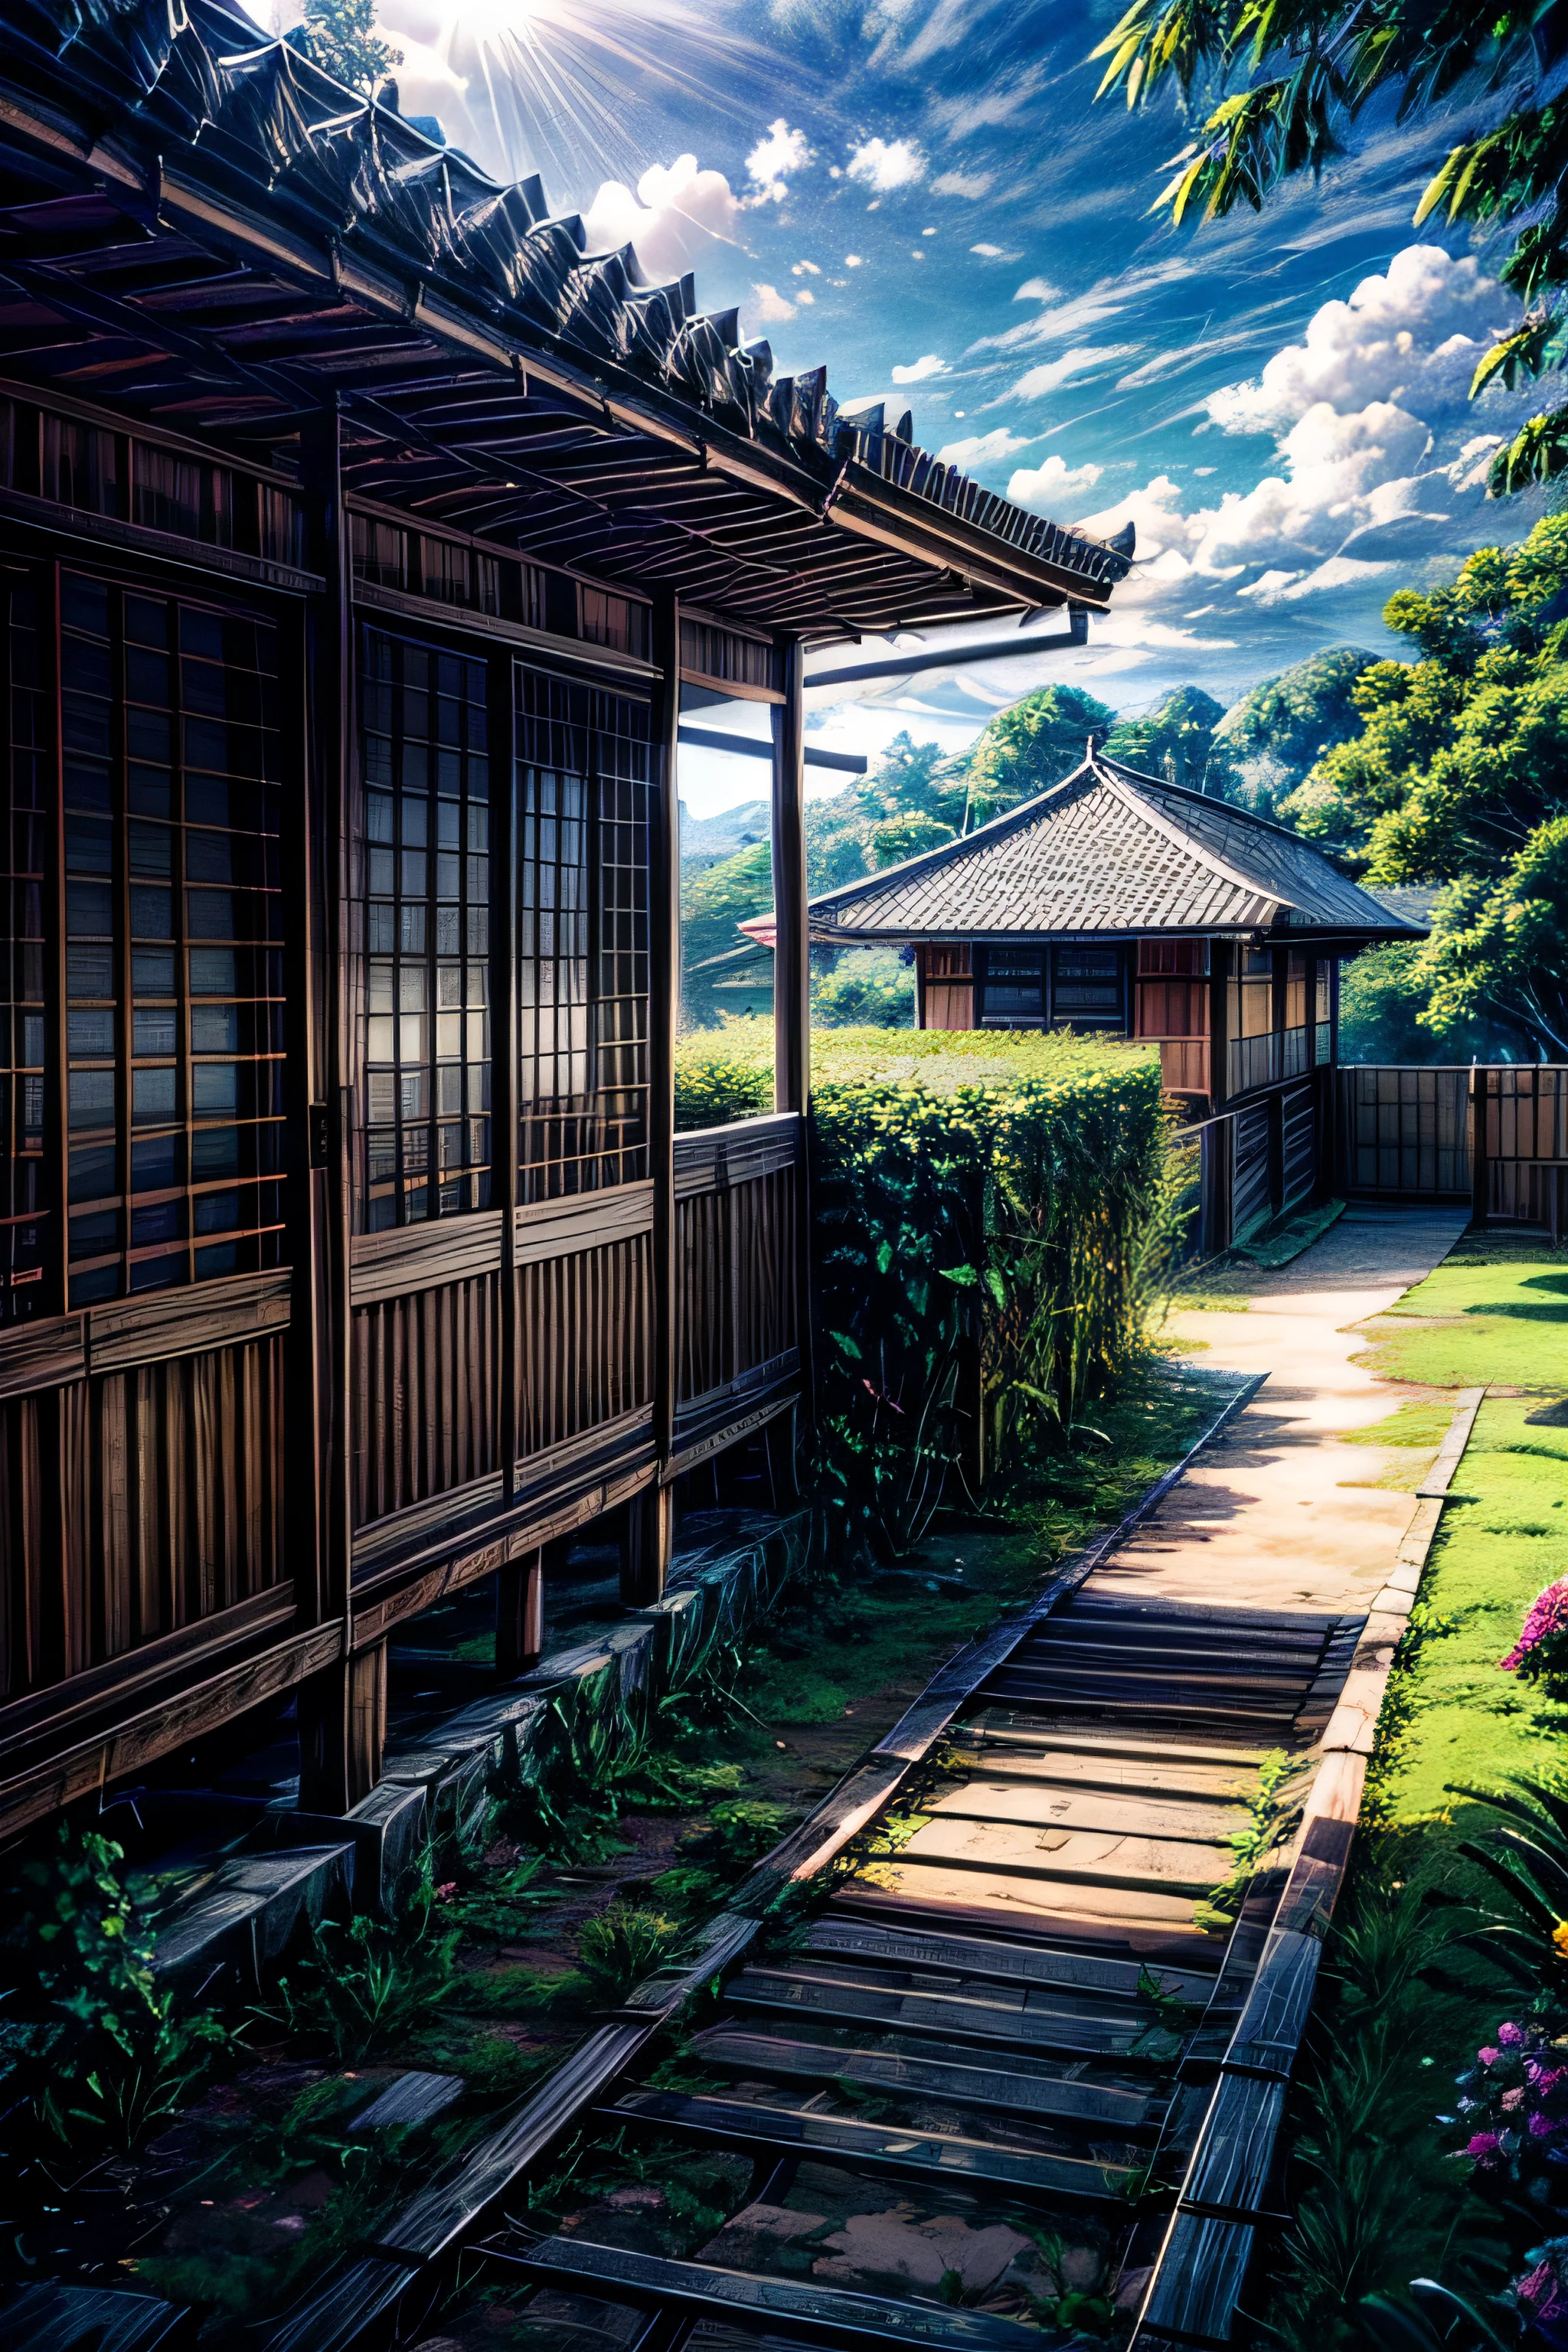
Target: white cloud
928, 232
852, 261
984, 448
805, 295
1051, 487
916, 372
972, 184
1037, 289
993, 253
885, 165
1411, 335
673, 220
778, 155
772, 304
804, 270
1082, 359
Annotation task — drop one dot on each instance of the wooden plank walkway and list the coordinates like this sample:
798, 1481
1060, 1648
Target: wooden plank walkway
996, 2022
1016, 2017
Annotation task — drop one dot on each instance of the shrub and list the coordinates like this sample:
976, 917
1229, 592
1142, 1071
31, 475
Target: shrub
715, 1084
90, 2047
979, 1250
1541, 1653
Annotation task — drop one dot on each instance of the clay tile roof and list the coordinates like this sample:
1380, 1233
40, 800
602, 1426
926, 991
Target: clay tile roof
1109, 850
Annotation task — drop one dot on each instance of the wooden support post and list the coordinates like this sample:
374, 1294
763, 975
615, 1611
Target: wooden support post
1480, 1181
781, 1446
1220, 961
791, 961
664, 1017
506, 1185
309, 1190
646, 1541
792, 975
519, 1614
343, 1732
341, 1717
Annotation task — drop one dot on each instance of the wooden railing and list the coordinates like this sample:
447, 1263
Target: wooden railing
144, 1478
736, 1192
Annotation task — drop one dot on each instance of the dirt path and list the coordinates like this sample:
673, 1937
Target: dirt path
1282, 1514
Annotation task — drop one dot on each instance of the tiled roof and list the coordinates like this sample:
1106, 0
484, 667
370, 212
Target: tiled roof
434, 279
1109, 850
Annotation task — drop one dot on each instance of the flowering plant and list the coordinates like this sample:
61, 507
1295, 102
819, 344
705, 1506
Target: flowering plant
1513, 2109
1541, 1651
1542, 2293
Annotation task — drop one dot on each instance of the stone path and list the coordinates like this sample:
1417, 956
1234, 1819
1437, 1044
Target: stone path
1281, 1514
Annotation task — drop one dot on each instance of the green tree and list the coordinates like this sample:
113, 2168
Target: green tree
1175, 740
1032, 746
1267, 744
712, 903
1459, 775
1301, 75
340, 36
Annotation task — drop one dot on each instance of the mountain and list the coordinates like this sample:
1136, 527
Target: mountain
722, 836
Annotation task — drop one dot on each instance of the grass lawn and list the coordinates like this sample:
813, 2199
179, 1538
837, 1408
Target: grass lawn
1494, 1311
1379, 2197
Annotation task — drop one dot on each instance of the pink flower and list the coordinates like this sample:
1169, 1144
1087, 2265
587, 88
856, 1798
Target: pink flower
1514, 2099
1509, 2034
1547, 1614
1488, 2057
1538, 2283
1542, 2126
1484, 2148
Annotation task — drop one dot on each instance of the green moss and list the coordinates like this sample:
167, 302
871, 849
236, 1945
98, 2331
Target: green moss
1489, 1315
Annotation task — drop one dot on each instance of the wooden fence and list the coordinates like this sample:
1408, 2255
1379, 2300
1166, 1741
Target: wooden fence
1495, 1135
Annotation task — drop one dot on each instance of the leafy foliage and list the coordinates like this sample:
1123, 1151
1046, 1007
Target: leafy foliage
1033, 745
1459, 776
363, 1984
1267, 744
1307, 67
340, 36
91, 2048
1175, 740
979, 1249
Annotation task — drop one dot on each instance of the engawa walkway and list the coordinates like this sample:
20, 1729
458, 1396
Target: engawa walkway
1279, 1513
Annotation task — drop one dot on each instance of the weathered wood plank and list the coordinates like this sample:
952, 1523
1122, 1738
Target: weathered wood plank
818, 2313
1014, 2090
873, 2147
983, 1957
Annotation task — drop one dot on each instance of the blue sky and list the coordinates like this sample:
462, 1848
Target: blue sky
923, 194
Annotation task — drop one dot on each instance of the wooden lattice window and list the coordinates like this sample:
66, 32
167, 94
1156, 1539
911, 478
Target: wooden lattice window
29, 808
583, 948
426, 1044
1086, 986
173, 949
1014, 992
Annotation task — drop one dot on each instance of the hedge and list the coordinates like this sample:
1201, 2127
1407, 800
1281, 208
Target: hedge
985, 1212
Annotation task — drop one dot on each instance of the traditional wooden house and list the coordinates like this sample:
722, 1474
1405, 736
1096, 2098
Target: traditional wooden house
1117, 902
359, 535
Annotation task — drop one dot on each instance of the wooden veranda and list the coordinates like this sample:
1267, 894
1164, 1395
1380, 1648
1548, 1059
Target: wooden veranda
360, 534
